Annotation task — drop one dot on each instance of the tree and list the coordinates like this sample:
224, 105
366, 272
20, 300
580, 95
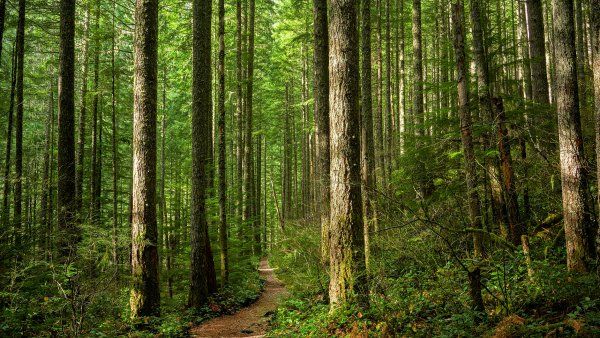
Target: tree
348, 275
466, 129
576, 211
367, 146
222, 159
487, 112
321, 106
249, 190
201, 115
96, 176
418, 110
595, 24
82, 117
537, 51
145, 295
66, 132
7, 176
20, 50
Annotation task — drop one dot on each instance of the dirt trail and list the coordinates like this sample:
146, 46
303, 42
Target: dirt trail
251, 321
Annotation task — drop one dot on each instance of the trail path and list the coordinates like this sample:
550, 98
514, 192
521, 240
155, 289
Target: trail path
251, 321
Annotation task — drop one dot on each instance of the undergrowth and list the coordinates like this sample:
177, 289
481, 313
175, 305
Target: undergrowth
429, 297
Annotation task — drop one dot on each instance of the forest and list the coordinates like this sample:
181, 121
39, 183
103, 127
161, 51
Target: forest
299, 168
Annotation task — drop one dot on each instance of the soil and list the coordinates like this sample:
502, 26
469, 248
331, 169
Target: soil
251, 321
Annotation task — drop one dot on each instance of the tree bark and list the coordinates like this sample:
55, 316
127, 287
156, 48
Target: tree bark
20, 47
249, 198
115, 154
595, 25
7, 173
576, 211
221, 126
145, 295
201, 115
378, 119
418, 110
466, 130
367, 146
348, 275
239, 112
485, 104
321, 97
537, 51
96, 129
80, 166
46, 220
387, 168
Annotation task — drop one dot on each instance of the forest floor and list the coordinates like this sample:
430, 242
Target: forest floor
251, 321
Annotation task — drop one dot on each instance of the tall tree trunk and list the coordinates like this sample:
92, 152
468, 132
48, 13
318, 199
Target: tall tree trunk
418, 110
82, 119
387, 169
46, 221
7, 173
145, 295
321, 97
581, 54
69, 234
466, 130
201, 137
20, 47
378, 119
249, 198
401, 80
115, 154
576, 211
516, 228
239, 111
595, 25
221, 125
537, 51
96, 156
348, 275
485, 104
367, 146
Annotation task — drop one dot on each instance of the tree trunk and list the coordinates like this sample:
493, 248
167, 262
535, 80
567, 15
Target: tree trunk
321, 97
581, 55
378, 119
7, 173
576, 211
401, 81
595, 23
418, 111
201, 109
367, 146
348, 275
485, 104
239, 112
145, 295
115, 154
96, 129
537, 51
466, 127
249, 204
80, 167
387, 168
20, 47
221, 125
45, 202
